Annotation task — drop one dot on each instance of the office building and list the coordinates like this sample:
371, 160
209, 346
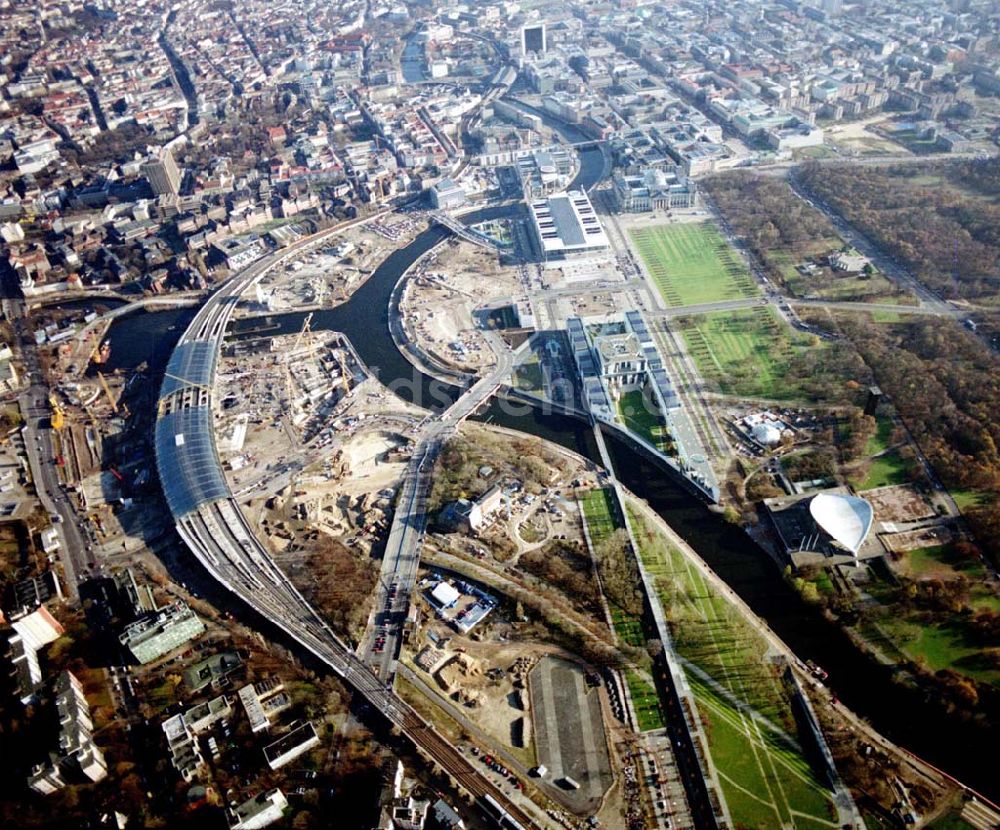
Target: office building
77, 752
446, 194
161, 632
566, 226
260, 811
185, 755
162, 173
533, 39
291, 745
31, 633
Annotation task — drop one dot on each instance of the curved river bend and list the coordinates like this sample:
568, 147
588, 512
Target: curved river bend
901, 714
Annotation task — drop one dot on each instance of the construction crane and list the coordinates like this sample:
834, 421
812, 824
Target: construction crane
58, 419
306, 329
107, 391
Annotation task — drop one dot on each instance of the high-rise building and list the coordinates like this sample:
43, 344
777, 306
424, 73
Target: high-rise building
533, 39
76, 752
162, 173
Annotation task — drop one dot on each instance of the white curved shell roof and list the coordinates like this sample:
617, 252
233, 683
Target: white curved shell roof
846, 518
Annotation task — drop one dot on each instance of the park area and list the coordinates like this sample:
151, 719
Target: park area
766, 778
747, 352
901, 626
692, 264
640, 413
602, 519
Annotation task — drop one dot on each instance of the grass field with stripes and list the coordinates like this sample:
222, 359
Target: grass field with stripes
747, 352
692, 264
753, 738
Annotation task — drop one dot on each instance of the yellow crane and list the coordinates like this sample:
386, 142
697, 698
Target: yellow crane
107, 391
58, 419
306, 329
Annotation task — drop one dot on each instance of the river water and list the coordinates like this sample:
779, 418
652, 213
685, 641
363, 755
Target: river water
901, 714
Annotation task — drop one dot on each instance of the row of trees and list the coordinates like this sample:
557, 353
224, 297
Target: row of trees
342, 584
567, 569
619, 573
948, 238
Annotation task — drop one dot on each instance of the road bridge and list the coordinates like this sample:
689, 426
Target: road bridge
383, 636
464, 231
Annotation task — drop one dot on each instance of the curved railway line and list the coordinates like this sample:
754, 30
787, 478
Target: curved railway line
211, 524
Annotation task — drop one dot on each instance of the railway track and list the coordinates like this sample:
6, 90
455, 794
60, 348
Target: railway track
216, 532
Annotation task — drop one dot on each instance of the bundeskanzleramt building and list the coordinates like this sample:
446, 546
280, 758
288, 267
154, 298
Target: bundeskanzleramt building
618, 357
161, 632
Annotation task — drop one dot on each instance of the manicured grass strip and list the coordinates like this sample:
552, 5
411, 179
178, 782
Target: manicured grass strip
692, 264
602, 520
767, 781
600, 513
645, 702
761, 776
746, 352
641, 415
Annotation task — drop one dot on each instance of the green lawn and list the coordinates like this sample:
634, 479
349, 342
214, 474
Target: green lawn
952, 821
883, 471
640, 414
969, 499
746, 352
528, 376
940, 646
766, 779
943, 641
879, 442
766, 783
601, 515
645, 702
692, 264
940, 562
628, 628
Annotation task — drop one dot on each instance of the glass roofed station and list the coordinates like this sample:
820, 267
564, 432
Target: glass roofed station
185, 441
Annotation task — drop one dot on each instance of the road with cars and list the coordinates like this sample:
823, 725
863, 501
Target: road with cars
76, 539
380, 645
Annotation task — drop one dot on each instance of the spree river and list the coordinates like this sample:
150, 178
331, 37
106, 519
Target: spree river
902, 714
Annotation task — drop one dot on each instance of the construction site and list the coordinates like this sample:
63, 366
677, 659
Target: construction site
439, 300
329, 275
97, 416
309, 438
